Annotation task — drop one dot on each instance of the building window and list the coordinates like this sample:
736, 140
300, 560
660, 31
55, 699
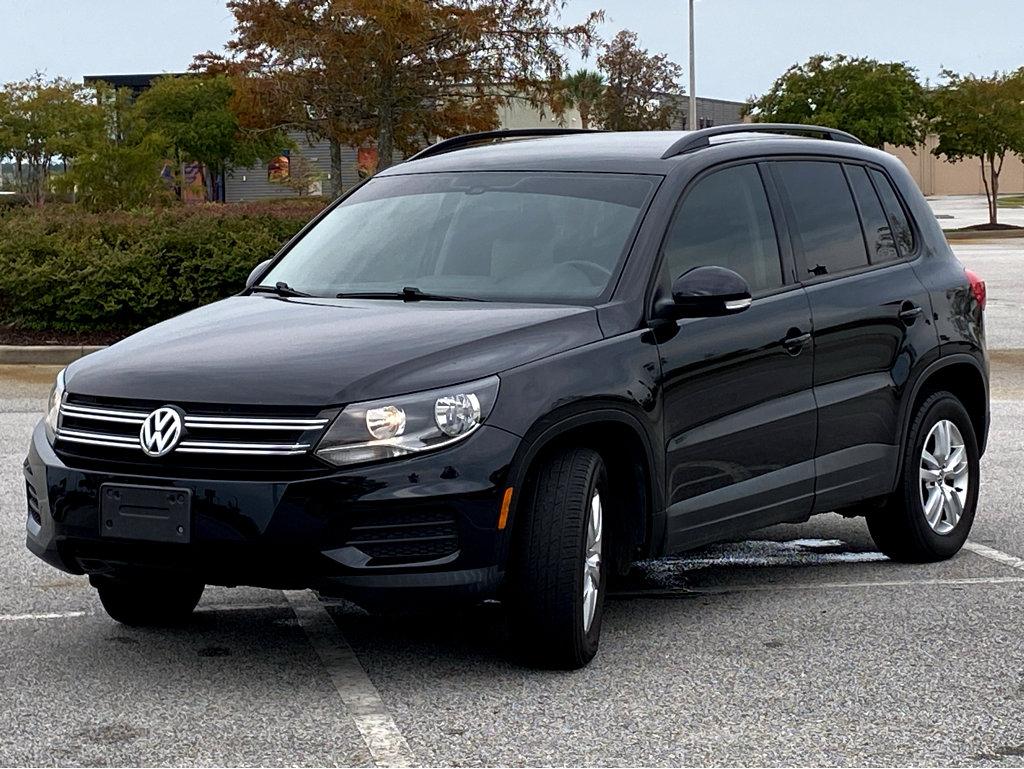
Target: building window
366, 161
278, 169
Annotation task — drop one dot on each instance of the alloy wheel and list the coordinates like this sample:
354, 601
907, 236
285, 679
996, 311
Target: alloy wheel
592, 561
945, 476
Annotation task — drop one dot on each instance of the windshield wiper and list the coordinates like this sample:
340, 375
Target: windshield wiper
280, 288
407, 294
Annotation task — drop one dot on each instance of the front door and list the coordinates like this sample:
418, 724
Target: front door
739, 415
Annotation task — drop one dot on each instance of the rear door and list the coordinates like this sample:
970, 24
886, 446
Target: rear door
739, 411
871, 319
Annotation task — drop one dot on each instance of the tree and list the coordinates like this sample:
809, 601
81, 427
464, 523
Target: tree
118, 166
980, 117
879, 102
583, 90
43, 121
395, 72
194, 118
642, 91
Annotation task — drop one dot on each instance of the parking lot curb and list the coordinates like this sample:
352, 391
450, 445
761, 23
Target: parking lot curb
45, 355
983, 234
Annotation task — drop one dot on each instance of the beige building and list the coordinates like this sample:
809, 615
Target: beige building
936, 176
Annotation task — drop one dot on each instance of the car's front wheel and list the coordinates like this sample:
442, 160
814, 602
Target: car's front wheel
929, 516
557, 572
148, 601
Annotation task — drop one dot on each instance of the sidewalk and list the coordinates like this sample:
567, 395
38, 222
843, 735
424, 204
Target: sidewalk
956, 211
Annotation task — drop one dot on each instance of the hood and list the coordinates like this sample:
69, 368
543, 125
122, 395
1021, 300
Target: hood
266, 350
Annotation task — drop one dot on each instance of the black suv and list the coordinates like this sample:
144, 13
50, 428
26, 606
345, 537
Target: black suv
516, 363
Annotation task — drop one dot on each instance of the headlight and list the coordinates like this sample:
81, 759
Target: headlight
395, 427
53, 407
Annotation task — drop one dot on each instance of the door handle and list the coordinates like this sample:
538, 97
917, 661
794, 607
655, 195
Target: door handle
909, 312
795, 341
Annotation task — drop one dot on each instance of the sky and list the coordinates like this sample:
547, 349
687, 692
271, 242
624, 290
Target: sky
742, 45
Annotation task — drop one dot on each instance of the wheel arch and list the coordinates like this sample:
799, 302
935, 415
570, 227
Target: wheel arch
962, 375
626, 446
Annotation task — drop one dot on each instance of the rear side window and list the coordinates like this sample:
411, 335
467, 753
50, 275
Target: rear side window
894, 211
827, 225
725, 221
877, 232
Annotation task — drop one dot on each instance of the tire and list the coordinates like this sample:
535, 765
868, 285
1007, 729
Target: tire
901, 528
547, 597
148, 602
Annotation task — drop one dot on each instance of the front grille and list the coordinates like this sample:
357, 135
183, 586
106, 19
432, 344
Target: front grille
403, 538
111, 430
33, 502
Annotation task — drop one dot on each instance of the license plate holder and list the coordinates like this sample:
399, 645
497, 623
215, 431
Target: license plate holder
151, 513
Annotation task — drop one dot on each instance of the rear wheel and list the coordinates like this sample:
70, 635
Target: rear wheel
557, 573
930, 515
148, 601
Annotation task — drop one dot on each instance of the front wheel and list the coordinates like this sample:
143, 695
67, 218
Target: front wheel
930, 515
557, 572
148, 601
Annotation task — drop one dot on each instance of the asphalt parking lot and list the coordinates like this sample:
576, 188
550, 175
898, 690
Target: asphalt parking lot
800, 645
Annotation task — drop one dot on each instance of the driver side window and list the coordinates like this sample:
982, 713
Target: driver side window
724, 221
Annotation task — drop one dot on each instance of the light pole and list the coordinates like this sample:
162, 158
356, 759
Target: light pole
692, 122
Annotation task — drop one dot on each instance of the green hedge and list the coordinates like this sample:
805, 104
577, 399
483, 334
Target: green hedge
64, 269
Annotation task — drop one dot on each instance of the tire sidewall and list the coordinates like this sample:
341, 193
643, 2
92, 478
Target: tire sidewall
944, 406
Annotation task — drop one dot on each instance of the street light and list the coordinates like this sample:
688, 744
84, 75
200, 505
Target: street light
693, 78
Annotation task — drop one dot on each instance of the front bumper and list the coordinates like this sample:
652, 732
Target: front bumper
295, 533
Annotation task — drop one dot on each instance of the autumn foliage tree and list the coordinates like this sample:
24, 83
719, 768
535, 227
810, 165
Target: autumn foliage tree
641, 91
982, 118
879, 102
395, 72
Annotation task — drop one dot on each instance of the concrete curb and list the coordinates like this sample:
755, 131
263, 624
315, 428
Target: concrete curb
44, 355
984, 234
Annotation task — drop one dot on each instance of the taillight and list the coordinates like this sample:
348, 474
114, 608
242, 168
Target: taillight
977, 287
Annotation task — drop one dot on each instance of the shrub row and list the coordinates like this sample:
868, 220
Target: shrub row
65, 269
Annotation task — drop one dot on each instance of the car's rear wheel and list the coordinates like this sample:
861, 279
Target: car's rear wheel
930, 515
147, 600
557, 572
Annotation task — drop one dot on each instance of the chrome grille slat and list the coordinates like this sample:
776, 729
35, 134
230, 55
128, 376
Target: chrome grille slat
253, 446
96, 440
99, 418
205, 433
239, 426
246, 452
264, 422
89, 412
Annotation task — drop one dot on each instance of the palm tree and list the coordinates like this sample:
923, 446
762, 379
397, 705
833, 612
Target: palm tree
582, 89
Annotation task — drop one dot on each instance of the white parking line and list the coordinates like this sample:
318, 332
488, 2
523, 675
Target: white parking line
213, 608
385, 742
48, 615
995, 555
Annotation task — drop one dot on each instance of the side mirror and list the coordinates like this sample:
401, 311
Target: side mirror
707, 292
257, 272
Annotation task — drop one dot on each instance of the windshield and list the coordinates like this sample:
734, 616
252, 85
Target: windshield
519, 237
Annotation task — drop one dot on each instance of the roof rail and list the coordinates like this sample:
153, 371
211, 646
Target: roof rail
702, 138
485, 137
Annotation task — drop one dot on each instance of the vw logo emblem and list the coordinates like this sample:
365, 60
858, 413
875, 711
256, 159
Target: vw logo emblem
161, 432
